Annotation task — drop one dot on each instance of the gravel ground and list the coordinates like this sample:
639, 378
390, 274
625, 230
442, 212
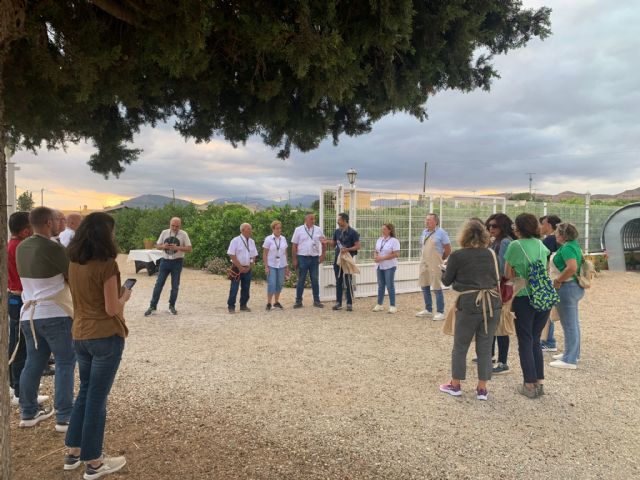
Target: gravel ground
317, 394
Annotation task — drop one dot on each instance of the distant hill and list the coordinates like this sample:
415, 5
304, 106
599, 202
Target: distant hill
567, 195
261, 203
150, 201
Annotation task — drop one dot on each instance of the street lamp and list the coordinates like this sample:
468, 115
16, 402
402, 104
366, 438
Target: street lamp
351, 176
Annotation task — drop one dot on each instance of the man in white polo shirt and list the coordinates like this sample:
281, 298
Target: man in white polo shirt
175, 243
307, 254
243, 252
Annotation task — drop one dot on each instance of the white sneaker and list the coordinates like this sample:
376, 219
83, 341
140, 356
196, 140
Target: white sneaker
378, 308
438, 317
42, 399
37, 418
559, 357
109, 465
393, 309
424, 313
561, 364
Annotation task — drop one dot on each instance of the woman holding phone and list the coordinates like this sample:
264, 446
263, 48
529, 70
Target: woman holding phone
98, 333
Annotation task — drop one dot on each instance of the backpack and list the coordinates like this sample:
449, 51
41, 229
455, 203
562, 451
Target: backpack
542, 295
587, 272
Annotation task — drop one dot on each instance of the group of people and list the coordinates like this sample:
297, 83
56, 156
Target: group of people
66, 298
516, 257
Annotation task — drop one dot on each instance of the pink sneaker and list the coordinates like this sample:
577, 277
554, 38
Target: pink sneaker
450, 389
482, 394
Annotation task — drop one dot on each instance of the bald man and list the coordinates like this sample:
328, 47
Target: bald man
73, 222
59, 224
175, 243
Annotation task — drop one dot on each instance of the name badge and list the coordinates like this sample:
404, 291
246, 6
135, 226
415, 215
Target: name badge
315, 248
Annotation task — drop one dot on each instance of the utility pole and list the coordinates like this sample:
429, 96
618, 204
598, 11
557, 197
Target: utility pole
424, 179
173, 193
289, 191
531, 174
42, 197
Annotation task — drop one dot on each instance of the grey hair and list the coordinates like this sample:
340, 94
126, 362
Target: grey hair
243, 226
435, 217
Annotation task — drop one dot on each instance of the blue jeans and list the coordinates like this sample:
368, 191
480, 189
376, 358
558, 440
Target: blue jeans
344, 283
570, 294
98, 361
173, 267
307, 263
54, 335
426, 292
244, 284
550, 342
529, 326
275, 280
385, 279
15, 369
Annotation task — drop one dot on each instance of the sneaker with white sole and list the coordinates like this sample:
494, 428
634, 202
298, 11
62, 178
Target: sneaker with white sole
40, 416
563, 364
71, 462
378, 308
393, 309
62, 427
109, 465
482, 394
450, 389
438, 317
424, 313
545, 348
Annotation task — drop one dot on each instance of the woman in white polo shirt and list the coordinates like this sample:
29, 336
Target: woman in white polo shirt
274, 257
386, 257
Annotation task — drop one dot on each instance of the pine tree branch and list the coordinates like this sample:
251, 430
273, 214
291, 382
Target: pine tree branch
116, 10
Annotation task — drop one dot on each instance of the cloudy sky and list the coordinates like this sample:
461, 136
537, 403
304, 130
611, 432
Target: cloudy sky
565, 108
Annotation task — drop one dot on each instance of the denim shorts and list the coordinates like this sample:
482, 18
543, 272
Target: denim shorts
275, 280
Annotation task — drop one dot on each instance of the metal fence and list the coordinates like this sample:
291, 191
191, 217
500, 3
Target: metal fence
370, 209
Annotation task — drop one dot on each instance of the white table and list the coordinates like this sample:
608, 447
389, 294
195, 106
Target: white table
146, 259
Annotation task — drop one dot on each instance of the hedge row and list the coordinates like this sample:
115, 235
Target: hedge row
210, 230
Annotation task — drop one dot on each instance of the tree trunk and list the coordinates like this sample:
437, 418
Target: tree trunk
12, 17
5, 407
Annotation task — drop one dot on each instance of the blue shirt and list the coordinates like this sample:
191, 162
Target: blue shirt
345, 238
440, 236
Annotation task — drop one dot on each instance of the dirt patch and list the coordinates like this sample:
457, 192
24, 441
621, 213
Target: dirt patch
316, 394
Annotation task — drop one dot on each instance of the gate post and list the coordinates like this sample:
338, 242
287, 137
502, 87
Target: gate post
587, 203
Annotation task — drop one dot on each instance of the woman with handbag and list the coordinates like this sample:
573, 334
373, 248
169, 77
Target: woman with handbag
567, 262
473, 271
499, 228
523, 256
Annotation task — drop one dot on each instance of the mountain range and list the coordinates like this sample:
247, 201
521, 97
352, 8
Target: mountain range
257, 203
306, 201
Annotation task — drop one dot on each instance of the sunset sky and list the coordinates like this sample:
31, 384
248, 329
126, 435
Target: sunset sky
565, 108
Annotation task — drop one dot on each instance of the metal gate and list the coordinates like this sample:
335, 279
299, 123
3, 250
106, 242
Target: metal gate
370, 209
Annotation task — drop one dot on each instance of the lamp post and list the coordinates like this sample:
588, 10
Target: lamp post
351, 176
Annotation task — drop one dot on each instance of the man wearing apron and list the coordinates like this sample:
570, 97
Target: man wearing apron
436, 247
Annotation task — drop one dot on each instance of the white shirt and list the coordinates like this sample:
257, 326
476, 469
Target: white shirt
67, 236
245, 251
308, 240
277, 256
384, 247
183, 241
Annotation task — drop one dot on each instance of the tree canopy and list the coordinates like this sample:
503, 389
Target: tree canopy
292, 73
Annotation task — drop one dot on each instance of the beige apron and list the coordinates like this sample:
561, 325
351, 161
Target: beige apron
62, 299
430, 272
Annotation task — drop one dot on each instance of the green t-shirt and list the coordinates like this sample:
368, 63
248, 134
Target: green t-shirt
518, 260
566, 252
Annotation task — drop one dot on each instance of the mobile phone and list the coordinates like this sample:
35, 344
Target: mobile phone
129, 283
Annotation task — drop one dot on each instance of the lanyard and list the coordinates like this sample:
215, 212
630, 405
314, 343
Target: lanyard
426, 237
383, 242
310, 235
277, 244
246, 245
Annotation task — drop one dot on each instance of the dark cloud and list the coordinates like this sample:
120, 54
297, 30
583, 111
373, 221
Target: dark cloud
564, 108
